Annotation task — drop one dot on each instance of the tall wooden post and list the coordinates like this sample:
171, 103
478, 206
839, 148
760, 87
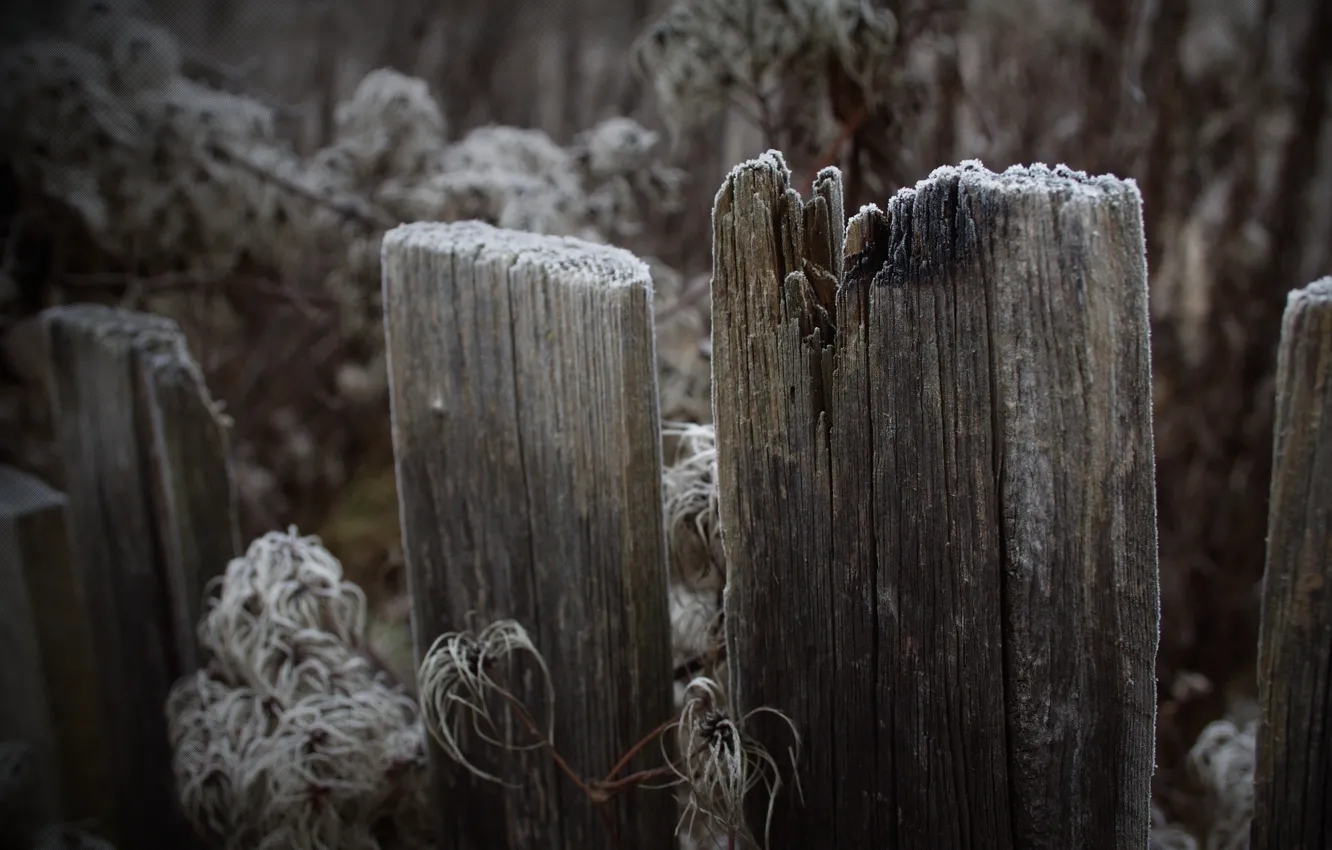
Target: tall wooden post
936, 474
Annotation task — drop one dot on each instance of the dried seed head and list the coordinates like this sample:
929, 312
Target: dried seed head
283, 616
614, 147
391, 127
458, 686
286, 738
691, 504
1223, 761
862, 36
721, 763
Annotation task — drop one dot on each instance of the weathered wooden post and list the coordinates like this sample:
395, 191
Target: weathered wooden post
936, 481
1293, 783
526, 430
152, 519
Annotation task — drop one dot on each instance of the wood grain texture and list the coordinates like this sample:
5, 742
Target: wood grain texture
152, 515
937, 505
526, 431
192, 487
1293, 782
35, 552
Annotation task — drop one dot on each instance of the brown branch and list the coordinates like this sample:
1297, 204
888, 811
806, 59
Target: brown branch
834, 151
637, 748
545, 742
602, 790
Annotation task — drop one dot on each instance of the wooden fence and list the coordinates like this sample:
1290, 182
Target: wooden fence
935, 463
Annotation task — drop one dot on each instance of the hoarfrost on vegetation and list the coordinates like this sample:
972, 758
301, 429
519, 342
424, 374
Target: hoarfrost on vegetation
291, 737
697, 562
1165, 835
1223, 761
193, 199
705, 55
175, 177
391, 127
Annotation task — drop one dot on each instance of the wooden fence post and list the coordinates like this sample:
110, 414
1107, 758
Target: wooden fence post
936, 481
152, 519
526, 431
1292, 783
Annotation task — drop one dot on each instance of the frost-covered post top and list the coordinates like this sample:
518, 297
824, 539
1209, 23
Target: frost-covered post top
577, 262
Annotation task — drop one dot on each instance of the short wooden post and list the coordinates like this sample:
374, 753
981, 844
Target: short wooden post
936, 481
152, 516
1293, 782
526, 430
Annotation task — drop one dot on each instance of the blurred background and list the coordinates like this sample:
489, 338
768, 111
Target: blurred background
233, 163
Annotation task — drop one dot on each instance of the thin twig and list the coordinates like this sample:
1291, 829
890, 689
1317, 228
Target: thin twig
638, 748
544, 742
601, 791
357, 211
834, 151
